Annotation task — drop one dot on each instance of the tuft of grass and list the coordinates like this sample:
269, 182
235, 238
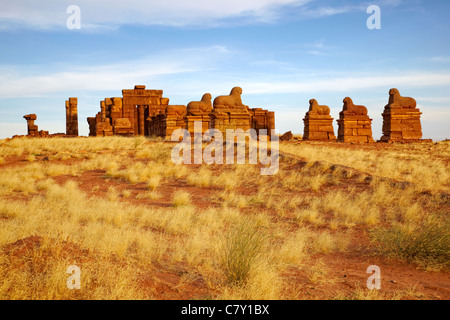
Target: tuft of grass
242, 248
138, 141
226, 180
202, 178
325, 242
152, 195
234, 200
427, 245
181, 198
294, 249
154, 182
126, 193
317, 182
111, 168
264, 283
45, 184
311, 215
113, 194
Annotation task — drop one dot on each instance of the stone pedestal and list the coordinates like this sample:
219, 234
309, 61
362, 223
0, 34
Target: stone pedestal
355, 128
233, 120
318, 128
401, 119
401, 124
190, 123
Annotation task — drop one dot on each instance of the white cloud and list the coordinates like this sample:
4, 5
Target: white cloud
95, 14
434, 115
349, 83
108, 77
319, 48
107, 15
440, 59
192, 70
437, 100
327, 11
88, 79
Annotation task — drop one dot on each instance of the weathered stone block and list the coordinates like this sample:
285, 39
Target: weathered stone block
72, 116
401, 119
355, 126
318, 124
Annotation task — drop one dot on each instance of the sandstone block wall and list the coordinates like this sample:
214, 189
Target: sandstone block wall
262, 119
204, 119
127, 115
319, 128
164, 124
230, 120
357, 128
227, 112
72, 117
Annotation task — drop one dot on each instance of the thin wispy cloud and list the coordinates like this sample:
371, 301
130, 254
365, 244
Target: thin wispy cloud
350, 83
110, 15
445, 59
99, 14
203, 72
326, 11
320, 9
44, 80
319, 48
436, 100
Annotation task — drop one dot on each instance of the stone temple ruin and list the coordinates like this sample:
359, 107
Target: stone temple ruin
32, 129
71, 123
145, 112
127, 115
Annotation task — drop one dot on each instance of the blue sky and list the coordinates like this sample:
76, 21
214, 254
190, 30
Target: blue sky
281, 52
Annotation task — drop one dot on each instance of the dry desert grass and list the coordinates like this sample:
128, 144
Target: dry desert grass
141, 227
